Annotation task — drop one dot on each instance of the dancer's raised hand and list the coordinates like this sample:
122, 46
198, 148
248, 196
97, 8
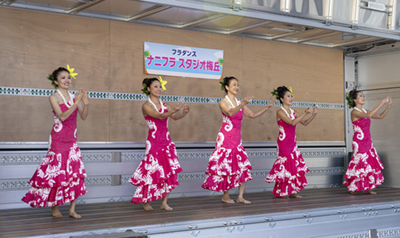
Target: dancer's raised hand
85, 97
385, 100
308, 110
78, 96
186, 109
271, 102
246, 100
178, 106
315, 110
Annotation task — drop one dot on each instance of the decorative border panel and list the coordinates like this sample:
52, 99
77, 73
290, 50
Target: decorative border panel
36, 158
125, 179
326, 171
106, 157
40, 92
385, 232
12, 184
98, 181
359, 235
322, 153
192, 176
255, 173
12, 159
391, 232
97, 157
134, 156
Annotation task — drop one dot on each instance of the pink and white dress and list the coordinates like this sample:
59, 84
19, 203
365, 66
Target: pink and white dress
229, 165
60, 177
288, 171
365, 168
156, 175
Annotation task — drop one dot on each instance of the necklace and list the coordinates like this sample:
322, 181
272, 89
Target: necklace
291, 112
71, 102
363, 110
231, 102
154, 105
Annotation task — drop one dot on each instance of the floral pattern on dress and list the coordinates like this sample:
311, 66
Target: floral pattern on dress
156, 174
60, 177
289, 169
229, 166
365, 168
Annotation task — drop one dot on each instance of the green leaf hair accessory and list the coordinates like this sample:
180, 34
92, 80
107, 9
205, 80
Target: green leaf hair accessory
222, 82
51, 78
275, 93
71, 72
144, 90
350, 100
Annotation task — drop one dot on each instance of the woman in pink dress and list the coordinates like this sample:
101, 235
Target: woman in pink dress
365, 168
60, 177
229, 166
288, 171
156, 175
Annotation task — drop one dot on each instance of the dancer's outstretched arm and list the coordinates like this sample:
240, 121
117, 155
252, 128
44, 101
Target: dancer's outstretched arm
383, 114
148, 109
356, 114
281, 115
249, 113
177, 115
314, 113
226, 107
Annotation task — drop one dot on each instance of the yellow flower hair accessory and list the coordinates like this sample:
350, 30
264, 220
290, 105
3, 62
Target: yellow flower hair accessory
163, 82
71, 71
291, 91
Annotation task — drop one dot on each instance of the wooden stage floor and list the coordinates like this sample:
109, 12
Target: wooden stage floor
38, 221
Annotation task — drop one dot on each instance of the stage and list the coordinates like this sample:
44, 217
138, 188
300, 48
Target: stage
330, 212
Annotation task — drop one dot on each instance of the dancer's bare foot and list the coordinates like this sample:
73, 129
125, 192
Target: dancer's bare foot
295, 196
370, 192
166, 207
284, 197
147, 206
74, 215
226, 198
242, 200
354, 193
56, 212
229, 200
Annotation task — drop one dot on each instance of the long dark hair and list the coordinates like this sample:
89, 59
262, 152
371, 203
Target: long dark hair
281, 92
226, 81
53, 76
351, 96
147, 82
